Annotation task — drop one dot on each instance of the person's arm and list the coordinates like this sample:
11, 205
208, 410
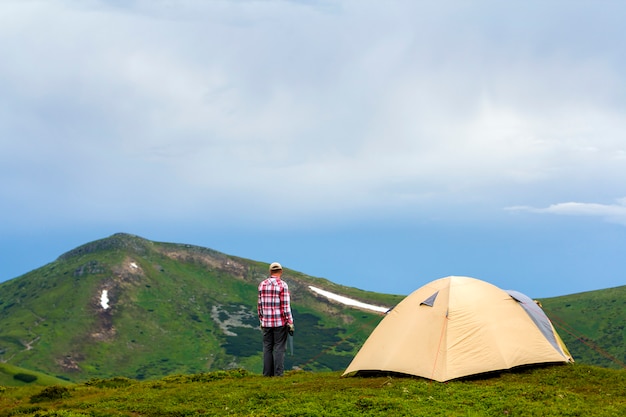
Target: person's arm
259, 307
285, 305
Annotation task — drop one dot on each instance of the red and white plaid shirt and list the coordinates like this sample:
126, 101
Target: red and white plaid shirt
274, 305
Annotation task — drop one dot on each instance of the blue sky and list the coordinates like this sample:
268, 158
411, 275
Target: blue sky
381, 145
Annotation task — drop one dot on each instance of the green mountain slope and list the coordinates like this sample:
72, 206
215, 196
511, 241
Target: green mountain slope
127, 306
14, 376
592, 325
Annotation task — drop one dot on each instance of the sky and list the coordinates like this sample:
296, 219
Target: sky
377, 144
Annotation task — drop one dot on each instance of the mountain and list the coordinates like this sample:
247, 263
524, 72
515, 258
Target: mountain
592, 325
127, 306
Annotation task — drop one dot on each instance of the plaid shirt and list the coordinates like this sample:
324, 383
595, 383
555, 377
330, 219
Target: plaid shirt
273, 305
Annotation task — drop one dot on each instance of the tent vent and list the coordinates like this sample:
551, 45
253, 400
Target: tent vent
430, 300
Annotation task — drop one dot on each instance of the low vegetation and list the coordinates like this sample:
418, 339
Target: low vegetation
566, 390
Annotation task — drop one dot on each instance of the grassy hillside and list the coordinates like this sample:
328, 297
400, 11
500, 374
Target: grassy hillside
592, 325
565, 390
13, 376
171, 308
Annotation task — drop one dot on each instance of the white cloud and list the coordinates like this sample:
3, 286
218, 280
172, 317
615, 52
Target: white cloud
349, 106
615, 213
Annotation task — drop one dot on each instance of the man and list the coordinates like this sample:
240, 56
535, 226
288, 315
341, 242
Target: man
276, 320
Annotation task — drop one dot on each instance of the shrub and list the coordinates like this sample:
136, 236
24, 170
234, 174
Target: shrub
53, 392
28, 378
207, 376
115, 382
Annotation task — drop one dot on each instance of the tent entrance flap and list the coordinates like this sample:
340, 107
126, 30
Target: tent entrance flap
538, 317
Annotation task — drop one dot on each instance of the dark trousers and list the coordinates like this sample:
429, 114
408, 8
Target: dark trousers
274, 346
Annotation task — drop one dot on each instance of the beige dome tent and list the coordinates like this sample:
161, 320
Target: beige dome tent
459, 326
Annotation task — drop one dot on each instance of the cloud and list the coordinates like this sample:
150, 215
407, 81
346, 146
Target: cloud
344, 107
615, 213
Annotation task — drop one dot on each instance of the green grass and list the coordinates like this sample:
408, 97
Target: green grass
567, 390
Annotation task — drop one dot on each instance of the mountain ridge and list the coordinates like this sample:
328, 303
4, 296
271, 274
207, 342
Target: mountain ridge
179, 308
170, 308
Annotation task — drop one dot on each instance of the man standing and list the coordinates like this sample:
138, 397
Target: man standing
276, 320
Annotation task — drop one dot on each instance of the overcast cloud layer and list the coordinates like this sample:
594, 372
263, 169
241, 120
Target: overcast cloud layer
300, 114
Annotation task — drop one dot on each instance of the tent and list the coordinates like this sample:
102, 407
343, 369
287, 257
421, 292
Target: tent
459, 326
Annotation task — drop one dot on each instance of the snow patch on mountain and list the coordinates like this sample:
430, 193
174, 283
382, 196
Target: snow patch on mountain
104, 299
348, 301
